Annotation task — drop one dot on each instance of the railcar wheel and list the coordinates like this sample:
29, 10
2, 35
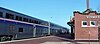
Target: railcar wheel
9, 39
3, 38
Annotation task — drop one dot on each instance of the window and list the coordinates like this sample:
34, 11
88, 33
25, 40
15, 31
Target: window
9, 16
33, 21
98, 23
92, 23
19, 18
25, 19
1, 14
46, 24
43, 23
20, 30
30, 21
36, 22
84, 23
11, 28
39, 22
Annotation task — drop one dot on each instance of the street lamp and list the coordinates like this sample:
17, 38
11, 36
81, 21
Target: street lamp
49, 26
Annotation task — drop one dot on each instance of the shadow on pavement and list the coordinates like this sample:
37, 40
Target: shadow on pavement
69, 38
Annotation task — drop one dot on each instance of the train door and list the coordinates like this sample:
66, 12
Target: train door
12, 28
12, 31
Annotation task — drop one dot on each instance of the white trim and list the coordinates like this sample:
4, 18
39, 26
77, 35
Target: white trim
92, 25
89, 26
21, 22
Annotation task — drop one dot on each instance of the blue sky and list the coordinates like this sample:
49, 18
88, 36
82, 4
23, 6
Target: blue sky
59, 10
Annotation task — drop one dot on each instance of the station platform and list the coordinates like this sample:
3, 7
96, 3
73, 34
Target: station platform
47, 40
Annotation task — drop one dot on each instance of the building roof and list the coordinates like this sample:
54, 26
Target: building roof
86, 12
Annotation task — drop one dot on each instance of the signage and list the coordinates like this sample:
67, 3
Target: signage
92, 16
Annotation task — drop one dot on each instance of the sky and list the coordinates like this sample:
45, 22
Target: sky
59, 10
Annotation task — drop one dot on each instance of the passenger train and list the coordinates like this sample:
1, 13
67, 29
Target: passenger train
15, 25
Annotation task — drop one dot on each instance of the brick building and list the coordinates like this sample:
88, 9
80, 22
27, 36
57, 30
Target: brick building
85, 25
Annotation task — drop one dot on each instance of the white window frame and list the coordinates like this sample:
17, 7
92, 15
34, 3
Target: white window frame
91, 24
84, 25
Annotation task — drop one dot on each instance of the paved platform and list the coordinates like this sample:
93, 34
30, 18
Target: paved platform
47, 40
70, 43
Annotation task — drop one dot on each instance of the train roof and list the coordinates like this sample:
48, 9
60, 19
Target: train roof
24, 15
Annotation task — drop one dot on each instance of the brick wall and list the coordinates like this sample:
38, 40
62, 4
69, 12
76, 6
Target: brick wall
82, 33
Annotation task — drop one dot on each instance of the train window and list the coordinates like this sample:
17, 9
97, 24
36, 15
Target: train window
9, 16
33, 21
36, 22
19, 18
20, 30
1, 14
25, 19
44, 24
30, 21
11, 28
39, 22
47, 23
